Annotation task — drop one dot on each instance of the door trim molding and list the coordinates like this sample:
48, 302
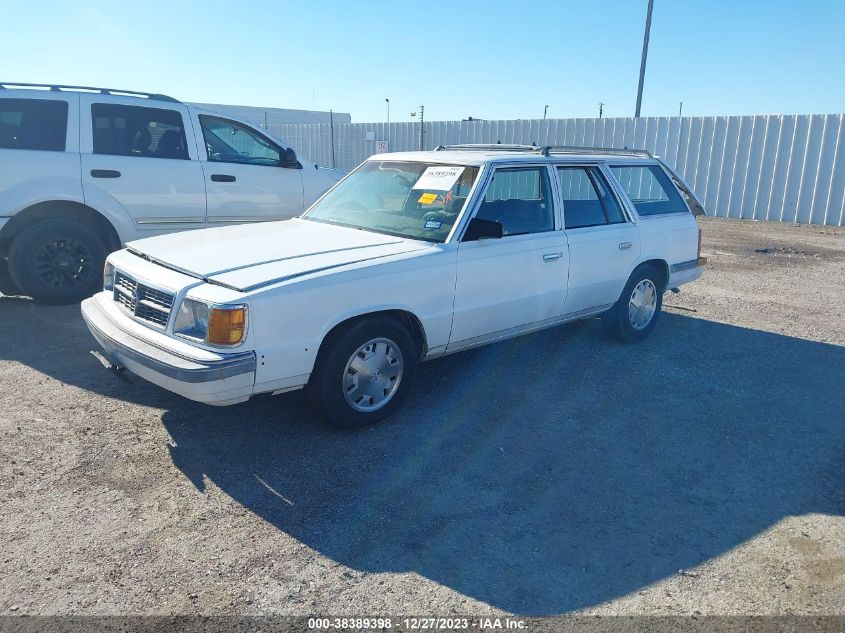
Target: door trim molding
519, 330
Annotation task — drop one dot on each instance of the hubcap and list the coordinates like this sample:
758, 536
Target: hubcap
373, 374
643, 304
63, 263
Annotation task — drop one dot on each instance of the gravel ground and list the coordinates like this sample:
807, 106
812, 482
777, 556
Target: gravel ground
702, 471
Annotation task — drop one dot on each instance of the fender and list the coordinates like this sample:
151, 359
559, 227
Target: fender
34, 191
371, 309
103, 202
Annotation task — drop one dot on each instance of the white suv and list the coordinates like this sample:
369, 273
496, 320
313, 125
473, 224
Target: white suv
85, 170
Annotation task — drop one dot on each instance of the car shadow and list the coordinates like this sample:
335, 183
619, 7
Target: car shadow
541, 475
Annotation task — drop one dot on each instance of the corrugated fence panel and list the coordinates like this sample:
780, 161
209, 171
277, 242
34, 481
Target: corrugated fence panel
785, 168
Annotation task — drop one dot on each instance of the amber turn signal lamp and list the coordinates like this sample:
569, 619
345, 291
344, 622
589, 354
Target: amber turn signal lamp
227, 326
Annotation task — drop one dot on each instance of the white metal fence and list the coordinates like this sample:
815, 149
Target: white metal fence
772, 167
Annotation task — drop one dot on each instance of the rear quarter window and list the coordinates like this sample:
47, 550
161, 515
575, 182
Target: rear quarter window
650, 189
34, 124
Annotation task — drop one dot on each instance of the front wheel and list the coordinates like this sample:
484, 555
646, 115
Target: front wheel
57, 261
363, 373
635, 313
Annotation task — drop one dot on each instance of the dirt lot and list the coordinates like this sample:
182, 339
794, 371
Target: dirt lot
702, 471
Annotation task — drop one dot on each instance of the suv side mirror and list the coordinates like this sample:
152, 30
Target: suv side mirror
479, 229
290, 158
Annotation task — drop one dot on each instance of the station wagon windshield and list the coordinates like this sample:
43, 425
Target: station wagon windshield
406, 199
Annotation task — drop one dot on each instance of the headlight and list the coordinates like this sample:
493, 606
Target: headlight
108, 277
213, 324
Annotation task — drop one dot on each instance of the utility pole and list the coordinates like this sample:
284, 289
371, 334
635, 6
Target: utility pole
387, 134
644, 57
545, 110
331, 134
422, 126
601, 108
681, 109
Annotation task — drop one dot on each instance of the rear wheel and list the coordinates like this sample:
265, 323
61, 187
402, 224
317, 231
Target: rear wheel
57, 261
7, 284
635, 313
363, 373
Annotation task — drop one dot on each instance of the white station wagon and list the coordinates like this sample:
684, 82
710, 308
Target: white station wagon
412, 256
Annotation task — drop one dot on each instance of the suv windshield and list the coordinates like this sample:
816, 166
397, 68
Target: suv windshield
414, 200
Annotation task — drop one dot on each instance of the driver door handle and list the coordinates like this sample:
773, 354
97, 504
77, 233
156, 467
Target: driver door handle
550, 257
222, 178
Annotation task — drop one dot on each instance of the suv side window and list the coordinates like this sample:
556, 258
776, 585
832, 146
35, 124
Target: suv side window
121, 130
650, 189
587, 200
39, 124
520, 199
230, 142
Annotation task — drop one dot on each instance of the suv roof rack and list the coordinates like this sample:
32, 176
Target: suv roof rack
546, 150
106, 91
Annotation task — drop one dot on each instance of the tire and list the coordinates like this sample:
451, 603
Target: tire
57, 261
381, 344
635, 313
8, 286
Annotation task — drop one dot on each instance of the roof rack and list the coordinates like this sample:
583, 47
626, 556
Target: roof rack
106, 91
547, 150
576, 149
489, 146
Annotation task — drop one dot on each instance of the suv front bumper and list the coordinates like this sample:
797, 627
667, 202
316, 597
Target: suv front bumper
217, 379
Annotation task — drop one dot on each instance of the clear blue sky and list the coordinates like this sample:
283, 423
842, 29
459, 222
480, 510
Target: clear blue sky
498, 59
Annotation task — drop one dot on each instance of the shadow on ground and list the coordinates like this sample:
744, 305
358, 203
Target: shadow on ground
541, 475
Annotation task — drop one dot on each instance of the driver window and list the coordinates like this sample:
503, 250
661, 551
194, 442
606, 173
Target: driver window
520, 200
230, 142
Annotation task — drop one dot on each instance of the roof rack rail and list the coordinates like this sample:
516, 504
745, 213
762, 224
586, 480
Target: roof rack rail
577, 149
489, 146
106, 91
546, 150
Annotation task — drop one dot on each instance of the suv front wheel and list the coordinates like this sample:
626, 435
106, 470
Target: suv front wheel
57, 261
363, 372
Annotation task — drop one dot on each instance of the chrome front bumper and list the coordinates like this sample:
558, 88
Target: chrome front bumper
224, 379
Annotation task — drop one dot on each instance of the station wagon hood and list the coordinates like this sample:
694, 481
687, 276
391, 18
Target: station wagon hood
249, 256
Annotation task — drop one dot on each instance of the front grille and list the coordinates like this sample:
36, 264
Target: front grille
142, 301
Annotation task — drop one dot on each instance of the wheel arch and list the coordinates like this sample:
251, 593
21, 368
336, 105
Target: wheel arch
60, 209
660, 264
403, 316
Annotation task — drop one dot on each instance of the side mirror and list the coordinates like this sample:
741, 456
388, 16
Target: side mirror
479, 229
289, 158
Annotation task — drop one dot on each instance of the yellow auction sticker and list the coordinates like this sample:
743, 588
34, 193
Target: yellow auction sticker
427, 198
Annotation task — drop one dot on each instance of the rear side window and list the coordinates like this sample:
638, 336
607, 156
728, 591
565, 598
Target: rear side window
121, 130
39, 124
650, 189
587, 200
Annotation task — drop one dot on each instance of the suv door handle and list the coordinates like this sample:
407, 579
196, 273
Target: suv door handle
550, 257
223, 178
624, 246
105, 173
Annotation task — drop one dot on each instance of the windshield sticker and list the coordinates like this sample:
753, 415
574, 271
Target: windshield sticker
427, 198
439, 178
432, 224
